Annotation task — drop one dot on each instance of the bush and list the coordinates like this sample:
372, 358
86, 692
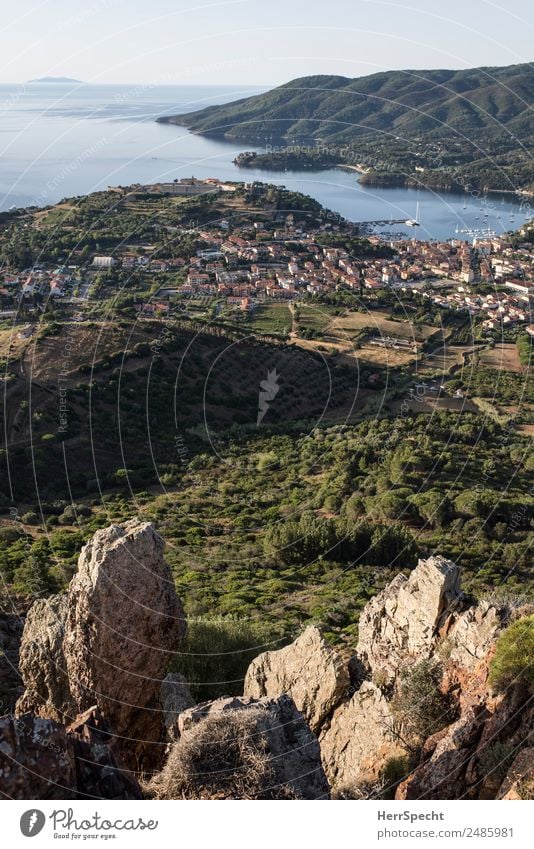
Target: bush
216, 653
496, 759
30, 518
418, 702
225, 756
392, 773
513, 661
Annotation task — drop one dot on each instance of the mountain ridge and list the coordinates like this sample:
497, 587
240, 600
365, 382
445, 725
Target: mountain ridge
407, 102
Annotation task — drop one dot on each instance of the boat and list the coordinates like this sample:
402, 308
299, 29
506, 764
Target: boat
414, 222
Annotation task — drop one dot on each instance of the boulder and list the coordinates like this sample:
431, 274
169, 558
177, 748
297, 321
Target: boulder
36, 759
123, 622
403, 621
175, 698
308, 670
41, 759
42, 662
243, 748
359, 739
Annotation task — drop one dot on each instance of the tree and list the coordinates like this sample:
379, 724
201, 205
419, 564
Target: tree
433, 507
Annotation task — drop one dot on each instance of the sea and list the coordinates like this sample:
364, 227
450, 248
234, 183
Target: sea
61, 140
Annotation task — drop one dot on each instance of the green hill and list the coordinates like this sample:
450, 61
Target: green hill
404, 103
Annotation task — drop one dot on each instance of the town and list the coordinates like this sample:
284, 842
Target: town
244, 264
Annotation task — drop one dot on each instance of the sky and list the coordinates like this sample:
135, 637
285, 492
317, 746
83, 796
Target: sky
256, 42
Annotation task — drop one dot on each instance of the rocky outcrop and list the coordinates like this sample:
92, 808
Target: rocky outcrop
175, 698
308, 670
404, 621
108, 642
123, 622
41, 759
42, 662
246, 748
359, 739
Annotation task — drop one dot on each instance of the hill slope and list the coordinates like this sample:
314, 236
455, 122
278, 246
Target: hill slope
405, 103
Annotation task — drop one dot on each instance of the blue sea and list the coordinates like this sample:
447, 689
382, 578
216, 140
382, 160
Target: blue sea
61, 139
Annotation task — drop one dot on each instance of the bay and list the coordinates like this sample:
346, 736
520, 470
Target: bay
61, 140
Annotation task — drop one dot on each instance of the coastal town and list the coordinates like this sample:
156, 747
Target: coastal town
245, 263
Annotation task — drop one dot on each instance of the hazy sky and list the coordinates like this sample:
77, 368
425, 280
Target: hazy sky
254, 41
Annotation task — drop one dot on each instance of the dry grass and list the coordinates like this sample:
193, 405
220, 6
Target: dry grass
223, 756
503, 357
347, 325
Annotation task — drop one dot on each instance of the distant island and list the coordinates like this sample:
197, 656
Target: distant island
55, 80
442, 129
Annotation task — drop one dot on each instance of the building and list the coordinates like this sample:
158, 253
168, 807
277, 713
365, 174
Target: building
104, 262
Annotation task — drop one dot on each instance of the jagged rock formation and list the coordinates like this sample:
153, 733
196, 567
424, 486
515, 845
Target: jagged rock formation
40, 759
42, 662
405, 619
243, 748
122, 621
359, 738
308, 670
105, 646
469, 759
423, 617
175, 698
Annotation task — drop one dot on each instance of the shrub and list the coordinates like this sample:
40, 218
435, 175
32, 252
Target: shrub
392, 773
496, 759
30, 518
216, 653
418, 702
513, 661
224, 756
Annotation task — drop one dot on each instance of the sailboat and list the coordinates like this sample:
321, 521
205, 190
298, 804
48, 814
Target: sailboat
414, 222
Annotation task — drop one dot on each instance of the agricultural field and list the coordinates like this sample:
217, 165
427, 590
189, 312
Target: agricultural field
351, 324
504, 356
444, 358
272, 318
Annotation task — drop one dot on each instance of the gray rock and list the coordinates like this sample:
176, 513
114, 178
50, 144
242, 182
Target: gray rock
359, 739
403, 621
123, 622
42, 662
474, 633
175, 698
308, 670
291, 748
